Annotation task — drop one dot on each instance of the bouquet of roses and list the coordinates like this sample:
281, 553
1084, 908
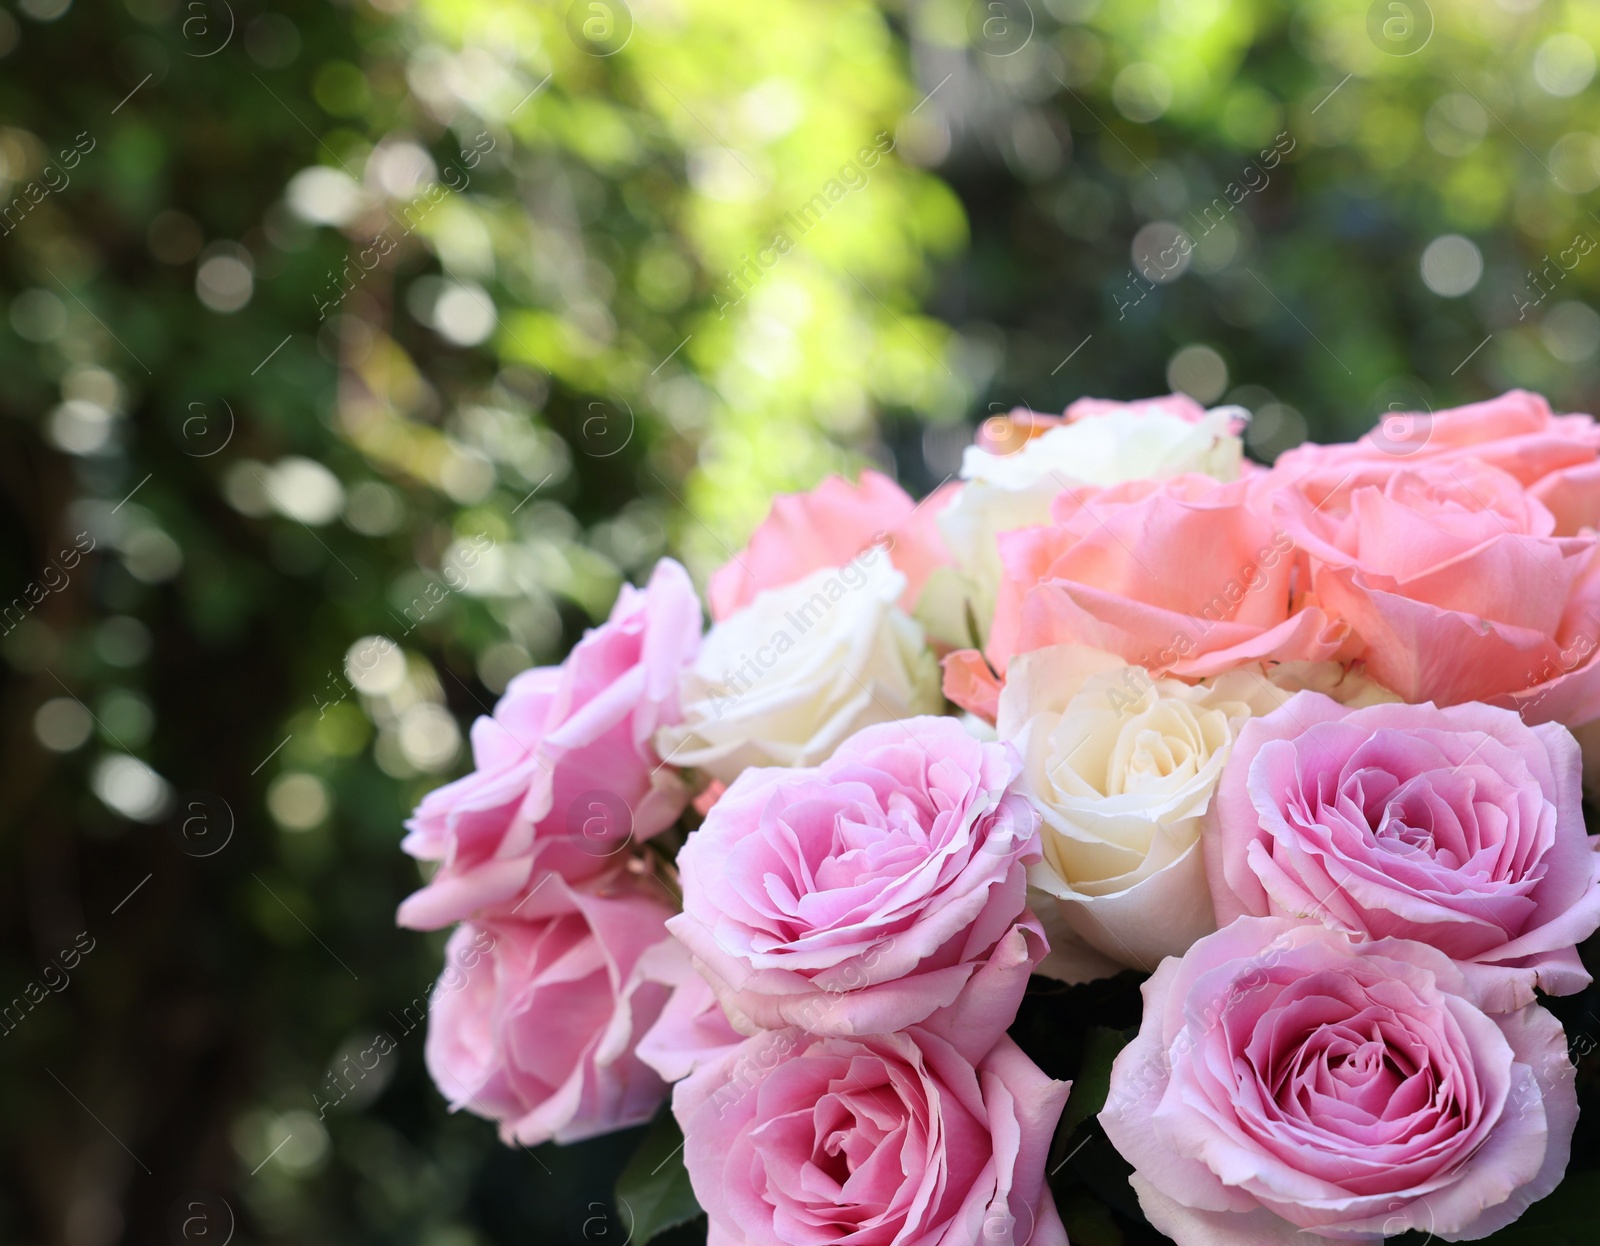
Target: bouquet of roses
1294, 743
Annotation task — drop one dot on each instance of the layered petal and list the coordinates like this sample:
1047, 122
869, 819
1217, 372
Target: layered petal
798, 1140
565, 772
882, 889
1460, 827
1291, 1082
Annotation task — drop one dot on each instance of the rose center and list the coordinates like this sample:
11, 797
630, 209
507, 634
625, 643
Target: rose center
1156, 755
1395, 833
1356, 1068
1402, 818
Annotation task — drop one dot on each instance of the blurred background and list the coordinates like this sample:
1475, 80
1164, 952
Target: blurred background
322, 320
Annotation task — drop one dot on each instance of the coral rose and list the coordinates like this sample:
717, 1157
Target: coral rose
1457, 587
1015, 472
1554, 456
1183, 576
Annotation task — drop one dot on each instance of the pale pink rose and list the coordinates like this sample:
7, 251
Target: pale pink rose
566, 772
1289, 1085
1182, 576
800, 1140
1456, 587
828, 527
534, 1023
881, 889
692, 1027
1461, 828
1554, 456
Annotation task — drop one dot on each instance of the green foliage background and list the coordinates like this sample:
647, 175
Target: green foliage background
579, 349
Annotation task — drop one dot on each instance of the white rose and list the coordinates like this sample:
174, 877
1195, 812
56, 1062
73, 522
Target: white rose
1121, 768
1009, 491
782, 681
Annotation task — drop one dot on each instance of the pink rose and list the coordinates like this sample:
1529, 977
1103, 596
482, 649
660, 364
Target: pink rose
1554, 456
828, 527
692, 1027
1182, 576
799, 1140
1456, 586
881, 889
1288, 1085
1461, 828
565, 772
534, 1022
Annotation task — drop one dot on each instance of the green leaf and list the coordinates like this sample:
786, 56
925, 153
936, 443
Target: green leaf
1093, 1082
653, 1192
1088, 1222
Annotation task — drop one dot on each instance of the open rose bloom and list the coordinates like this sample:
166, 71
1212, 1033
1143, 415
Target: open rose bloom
1456, 585
1459, 827
785, 679
1122, 770
883, 889
1290, 1084
1185, 575
566, 771
794, 1139
1289, 752
491, 1047
1023, 460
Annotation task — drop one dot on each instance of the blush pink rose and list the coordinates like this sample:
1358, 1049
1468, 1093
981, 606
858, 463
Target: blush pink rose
534, 1023
1461, 828
881, 889
1556, 457
1456, 586
565, 772
692, 1027
800, 1140
1183, 576
828, 527
1288, 1085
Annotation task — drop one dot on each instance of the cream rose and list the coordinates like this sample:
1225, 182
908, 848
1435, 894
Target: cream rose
1121, 768
782, 681
1100, 444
